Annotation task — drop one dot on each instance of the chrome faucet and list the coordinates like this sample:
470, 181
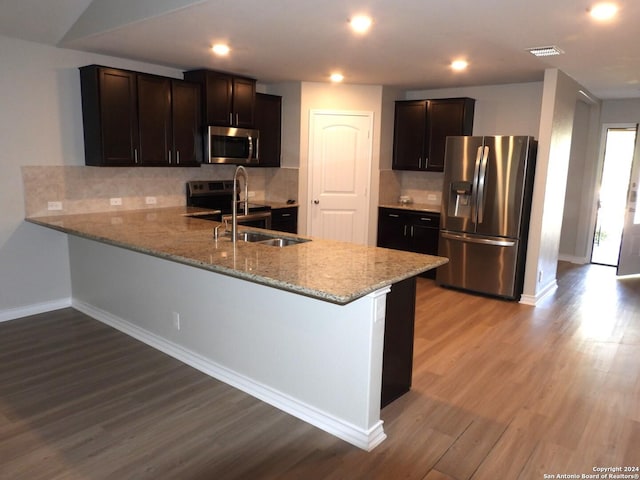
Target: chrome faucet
235, 200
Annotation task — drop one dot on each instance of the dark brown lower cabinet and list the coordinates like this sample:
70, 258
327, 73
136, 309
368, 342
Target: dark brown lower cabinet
411, 230
397, 357
285, 219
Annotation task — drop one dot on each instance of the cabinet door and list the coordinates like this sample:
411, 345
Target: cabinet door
425, 232
110, 116
392, 229
268, 119
219, 99
424, 236
187, 139
154, 118
285, 219
409, 134
446, 117
244, 97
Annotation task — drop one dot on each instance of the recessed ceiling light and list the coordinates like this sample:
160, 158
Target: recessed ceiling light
603, 11
221, 49
459, 65
336, 77
360, 23
545, 51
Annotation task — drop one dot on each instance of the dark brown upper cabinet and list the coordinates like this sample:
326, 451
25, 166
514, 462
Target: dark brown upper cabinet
421, 128
268, 120
187, 127
109, 115
136, 119
227, 100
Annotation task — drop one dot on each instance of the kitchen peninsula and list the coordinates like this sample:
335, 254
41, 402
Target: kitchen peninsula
301, 327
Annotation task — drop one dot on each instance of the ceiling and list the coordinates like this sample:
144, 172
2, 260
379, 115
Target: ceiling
410, 45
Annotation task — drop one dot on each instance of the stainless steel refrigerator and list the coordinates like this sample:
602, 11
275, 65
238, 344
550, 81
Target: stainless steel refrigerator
486, 204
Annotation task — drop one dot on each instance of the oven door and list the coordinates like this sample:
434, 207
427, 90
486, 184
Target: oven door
233, 145
255, 219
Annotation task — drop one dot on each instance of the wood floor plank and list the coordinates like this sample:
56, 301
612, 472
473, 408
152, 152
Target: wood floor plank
500, 390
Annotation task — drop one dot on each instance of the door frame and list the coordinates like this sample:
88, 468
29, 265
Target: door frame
634, 178
310, 146
600, 170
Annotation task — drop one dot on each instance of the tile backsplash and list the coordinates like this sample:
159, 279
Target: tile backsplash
89, 189
421, 187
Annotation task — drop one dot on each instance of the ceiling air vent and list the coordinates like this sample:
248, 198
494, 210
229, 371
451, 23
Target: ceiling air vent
545, 51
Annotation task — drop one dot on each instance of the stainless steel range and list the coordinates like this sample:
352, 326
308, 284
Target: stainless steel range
217, 197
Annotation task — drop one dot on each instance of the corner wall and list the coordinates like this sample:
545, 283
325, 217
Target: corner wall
324, 96
554, 148
40, 125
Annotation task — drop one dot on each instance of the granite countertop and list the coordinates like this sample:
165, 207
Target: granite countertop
279, 205
332, 271
417, 207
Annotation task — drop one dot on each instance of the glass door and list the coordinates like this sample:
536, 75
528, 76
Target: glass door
629, 261
612, 196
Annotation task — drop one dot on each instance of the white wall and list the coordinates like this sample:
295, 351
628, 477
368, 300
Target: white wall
584, 170
620, 111
325, 96
40, 124
556, 126
581, 178
511, 109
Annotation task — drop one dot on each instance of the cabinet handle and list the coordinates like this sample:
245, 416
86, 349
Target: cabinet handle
135, 155
412, 230
426, 162
405, 231
177, 157
286, 215
394, 215
169, 157
426, 219
236, 119
230, 118
419, 162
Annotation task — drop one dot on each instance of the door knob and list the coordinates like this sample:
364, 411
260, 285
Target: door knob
316, 202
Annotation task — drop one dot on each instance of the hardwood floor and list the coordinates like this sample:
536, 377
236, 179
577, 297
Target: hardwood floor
500, 391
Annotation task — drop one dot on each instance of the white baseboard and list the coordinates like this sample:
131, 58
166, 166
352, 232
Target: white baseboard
573, 259
35, 309
364, 439
534, 300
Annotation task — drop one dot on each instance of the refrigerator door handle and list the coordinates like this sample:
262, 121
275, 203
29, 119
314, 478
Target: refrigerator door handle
481, 181
496, 242
474, 192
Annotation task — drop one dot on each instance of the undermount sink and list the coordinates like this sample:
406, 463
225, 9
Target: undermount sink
268, 239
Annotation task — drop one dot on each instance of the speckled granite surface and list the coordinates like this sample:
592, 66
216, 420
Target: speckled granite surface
336, 272
417, 207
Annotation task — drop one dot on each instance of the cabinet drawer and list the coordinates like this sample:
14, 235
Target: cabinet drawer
285, 219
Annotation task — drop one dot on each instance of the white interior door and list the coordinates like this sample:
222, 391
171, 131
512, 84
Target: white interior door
629, 260
340, 155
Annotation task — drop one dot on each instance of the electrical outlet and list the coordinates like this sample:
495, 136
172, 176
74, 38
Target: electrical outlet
115, 201
54, 205
150, 200
251, 194
432, 197
175, 320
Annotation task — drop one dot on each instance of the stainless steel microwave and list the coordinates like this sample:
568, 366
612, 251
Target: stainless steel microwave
233, 145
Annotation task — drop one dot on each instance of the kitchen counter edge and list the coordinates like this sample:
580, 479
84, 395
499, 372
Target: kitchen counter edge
91, 229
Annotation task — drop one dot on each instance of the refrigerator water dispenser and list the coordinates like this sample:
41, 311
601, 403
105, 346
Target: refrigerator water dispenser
460, 199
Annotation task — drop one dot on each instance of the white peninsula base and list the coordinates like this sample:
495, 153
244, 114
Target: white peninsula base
316, 360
